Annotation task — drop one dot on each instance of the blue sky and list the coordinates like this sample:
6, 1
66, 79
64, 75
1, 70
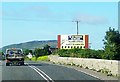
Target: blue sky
28, 21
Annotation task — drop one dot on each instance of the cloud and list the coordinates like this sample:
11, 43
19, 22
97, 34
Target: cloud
42, 11
27, 11
91, 19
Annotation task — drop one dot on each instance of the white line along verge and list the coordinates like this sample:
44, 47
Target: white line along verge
41, 73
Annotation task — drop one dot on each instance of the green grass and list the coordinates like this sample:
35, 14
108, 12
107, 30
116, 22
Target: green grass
26, 58
33, 58
43, 58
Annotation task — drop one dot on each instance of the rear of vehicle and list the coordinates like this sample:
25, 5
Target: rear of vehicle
14, 57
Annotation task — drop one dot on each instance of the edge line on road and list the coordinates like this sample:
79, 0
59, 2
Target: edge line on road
78, 70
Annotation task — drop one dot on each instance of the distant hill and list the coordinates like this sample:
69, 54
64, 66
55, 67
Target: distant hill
32, 45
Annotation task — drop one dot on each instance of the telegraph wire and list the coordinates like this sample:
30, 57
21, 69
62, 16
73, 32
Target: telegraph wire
35, 20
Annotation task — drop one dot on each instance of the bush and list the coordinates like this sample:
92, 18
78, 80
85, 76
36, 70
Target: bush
80, 53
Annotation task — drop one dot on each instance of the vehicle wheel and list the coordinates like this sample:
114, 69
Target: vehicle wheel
7, 64
22, 63
19, 64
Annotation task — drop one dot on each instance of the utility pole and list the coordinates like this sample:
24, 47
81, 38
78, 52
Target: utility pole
77, 25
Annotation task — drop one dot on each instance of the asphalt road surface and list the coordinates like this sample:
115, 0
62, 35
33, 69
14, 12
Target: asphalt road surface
37, 71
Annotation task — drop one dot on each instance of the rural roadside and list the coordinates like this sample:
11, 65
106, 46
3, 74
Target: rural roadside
96, 74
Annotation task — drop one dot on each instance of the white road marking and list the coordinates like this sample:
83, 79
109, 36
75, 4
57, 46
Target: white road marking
41, 73
89, 74
44, 73
79, 70
82, 72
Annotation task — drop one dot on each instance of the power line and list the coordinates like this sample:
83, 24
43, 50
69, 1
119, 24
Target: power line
36, 20
43, 20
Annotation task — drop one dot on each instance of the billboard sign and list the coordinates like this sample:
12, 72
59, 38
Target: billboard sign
75, 37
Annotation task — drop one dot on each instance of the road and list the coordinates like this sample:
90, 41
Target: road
38, 71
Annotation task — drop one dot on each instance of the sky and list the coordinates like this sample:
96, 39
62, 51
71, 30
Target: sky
29, 21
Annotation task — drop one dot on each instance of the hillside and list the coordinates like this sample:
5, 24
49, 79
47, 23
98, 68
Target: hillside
32, 45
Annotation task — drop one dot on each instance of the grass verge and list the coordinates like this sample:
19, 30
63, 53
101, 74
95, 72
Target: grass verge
40, 58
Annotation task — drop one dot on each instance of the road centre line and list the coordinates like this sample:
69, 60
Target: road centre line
44, 73
41, 73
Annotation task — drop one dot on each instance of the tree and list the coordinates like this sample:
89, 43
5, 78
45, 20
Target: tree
47, 50
1, 53
36, 52
39, 52
26, 51
30, 51
112, 44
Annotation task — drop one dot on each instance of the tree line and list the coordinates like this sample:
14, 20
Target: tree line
39, 51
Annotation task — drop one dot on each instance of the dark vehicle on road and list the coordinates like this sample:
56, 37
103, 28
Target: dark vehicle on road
14, 56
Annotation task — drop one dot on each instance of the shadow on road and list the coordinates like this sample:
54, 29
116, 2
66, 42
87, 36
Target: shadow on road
37, 64
27, 65
2, 63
